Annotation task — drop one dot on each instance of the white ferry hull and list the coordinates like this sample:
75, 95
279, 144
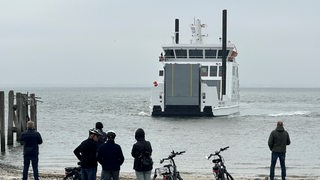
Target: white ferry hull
226, 110
194, 112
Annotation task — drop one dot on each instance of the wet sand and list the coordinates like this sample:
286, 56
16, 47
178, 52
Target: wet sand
8, 172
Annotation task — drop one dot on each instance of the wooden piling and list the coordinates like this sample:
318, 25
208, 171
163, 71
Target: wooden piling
33, 109
18, 114
2, 122
11, 118
24, 111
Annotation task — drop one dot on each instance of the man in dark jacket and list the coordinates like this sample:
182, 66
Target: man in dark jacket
86, 153
31, 140
278, 140
140, 148
110, 156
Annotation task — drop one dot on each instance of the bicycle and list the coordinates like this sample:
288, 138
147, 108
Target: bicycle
219, 169
73, 173
169, 171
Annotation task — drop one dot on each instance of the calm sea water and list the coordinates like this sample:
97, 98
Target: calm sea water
66, 114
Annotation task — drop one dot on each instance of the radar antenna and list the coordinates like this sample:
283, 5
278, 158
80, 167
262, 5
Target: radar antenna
196, 31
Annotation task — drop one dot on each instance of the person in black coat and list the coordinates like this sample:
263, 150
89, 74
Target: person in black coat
110, 156
86, 153
31, 140
140, 148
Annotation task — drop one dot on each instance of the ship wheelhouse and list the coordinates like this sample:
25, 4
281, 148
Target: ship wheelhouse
193, 53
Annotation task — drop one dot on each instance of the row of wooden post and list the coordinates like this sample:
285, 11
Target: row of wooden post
18, 115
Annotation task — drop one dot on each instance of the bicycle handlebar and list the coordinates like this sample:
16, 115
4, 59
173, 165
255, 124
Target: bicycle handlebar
179, 153
223, 149
172, 155
218, 152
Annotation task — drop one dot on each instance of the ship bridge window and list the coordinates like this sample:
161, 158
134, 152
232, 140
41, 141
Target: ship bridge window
195, 53
210, 53
204, 70
213, 71
220, 53
160, 72
220, 71
181, 53
169, 53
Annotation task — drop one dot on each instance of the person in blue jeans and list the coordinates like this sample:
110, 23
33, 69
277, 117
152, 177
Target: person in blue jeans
86, 153
31, 140
278, 141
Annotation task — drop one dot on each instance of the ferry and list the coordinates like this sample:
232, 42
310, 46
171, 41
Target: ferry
197, 79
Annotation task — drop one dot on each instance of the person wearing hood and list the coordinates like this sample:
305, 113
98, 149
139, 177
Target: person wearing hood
278, 141
141, 148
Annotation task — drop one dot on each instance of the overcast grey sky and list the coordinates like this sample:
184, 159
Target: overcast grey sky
117, 43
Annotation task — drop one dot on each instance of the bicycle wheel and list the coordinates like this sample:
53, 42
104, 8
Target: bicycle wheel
154, 177
168, 178
220, 176
178, 176
228, 176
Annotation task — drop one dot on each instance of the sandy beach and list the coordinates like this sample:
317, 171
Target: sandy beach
8, 172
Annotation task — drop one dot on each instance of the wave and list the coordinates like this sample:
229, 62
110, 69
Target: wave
294, 113
280, 114
143, 114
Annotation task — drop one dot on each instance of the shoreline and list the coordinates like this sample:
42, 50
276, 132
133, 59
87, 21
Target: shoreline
9, 172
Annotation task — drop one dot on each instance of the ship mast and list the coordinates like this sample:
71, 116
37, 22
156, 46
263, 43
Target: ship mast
224, 51
196, 32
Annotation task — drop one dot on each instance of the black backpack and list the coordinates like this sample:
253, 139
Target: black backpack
145, 159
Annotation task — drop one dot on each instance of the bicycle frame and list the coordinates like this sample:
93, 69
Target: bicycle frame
169, 171
73, 173
219, 169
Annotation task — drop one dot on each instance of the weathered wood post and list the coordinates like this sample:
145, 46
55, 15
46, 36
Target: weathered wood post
11, 118
24, 111
33, 109
3, 143
18, 114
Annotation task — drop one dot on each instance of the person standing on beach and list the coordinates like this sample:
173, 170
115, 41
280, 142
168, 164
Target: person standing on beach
103, 138
141, 148
110, 156
86, 153
31, 140
278, 141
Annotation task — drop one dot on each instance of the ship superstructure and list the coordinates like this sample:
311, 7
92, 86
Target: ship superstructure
197, 79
